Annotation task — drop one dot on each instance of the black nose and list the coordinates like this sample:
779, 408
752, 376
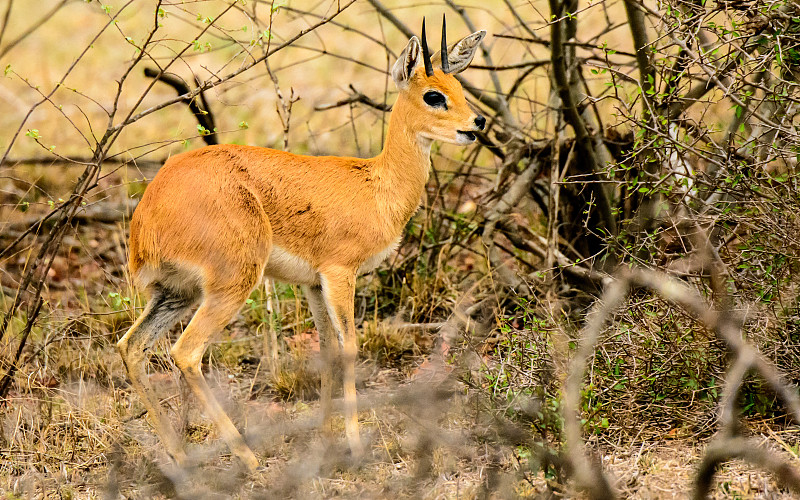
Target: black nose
480, 122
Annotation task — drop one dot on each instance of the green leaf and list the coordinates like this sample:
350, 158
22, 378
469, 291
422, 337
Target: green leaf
276, 5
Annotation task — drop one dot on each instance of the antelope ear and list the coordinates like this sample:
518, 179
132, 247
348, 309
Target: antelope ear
407, 63
460, 54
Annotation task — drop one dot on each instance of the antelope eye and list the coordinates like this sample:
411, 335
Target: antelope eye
435, 99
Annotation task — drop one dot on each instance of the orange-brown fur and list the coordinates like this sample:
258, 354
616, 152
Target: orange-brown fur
225, 205
214, 220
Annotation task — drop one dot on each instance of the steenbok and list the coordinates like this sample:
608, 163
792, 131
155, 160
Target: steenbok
215, 220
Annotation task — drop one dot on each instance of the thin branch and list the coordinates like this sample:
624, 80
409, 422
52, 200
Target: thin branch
211, 83
33, 27
5, 20
58, 85
746, 449
354, 98
573, 117
200, 110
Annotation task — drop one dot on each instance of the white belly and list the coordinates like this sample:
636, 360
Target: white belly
379, 257
289, 268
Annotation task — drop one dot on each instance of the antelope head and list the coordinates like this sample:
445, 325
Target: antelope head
431, 99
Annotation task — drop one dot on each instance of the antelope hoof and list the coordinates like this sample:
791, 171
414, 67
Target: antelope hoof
356, 447
179, 457
249, 460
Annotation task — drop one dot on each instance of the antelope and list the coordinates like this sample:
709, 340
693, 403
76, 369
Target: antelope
214, 221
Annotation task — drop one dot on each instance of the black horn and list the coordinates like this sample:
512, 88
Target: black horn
426, 54
445, 62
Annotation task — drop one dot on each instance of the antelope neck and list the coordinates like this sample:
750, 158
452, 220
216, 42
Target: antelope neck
401, 170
